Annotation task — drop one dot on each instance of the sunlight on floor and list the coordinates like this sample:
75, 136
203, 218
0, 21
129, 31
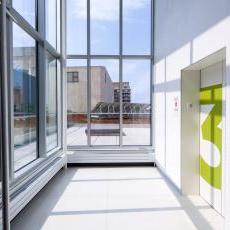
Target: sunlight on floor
115, 198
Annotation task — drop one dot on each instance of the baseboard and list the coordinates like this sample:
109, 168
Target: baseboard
119, 164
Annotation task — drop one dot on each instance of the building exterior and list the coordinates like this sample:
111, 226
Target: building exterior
24, 98
101, 88
126, 92
105, 98
26, 57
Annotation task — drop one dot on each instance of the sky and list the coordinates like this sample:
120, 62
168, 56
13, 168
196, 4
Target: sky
104, 36
105, 26
26, 8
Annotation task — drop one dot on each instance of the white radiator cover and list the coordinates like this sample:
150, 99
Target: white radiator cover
110, 157
24, 197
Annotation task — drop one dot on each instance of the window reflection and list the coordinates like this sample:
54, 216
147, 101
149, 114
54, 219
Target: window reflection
51, 103
25, 93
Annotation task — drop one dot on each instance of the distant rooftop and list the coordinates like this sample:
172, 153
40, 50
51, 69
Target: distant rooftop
129, 108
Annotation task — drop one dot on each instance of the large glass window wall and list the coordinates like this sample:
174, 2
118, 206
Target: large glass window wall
34, 82
109, 73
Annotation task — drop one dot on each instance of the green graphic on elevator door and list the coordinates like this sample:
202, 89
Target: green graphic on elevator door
211, 135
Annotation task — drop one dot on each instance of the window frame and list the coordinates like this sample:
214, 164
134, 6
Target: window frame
72, 78
120, 57
56, 46
12, 101
57, 85
42, 46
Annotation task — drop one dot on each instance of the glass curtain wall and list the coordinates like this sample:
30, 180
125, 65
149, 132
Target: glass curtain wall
104, 110
109, 73
51, 102
136, 116
25, 96
76, 98
34, 45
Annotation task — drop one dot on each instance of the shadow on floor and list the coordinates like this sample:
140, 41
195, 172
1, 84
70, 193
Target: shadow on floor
49, 196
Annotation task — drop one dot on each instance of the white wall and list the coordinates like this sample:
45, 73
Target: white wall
185, 32
190, 131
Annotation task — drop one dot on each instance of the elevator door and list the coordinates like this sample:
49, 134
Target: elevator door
211, 135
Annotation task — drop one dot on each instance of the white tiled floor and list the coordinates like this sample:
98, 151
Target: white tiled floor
132, 198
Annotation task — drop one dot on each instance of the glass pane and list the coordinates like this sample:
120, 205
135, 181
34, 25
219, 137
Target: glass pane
27, 9
76, 102
137, 26
104, 26
51, 22
77, 27
137, 112
25, 94
58, 25
51, 102
105, 108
